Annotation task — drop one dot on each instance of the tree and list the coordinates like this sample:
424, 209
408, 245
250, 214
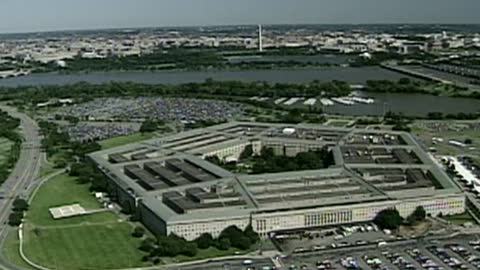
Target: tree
223, 244
138, 232
147, 245
401, 127
151, 125
205, 241
242, 243
214, 159
418, 215
166, 246
190, 249
236, 237
232, 233
251, 234
20, 205
247, 152
404, 81
388, 219
172, 246
15, 218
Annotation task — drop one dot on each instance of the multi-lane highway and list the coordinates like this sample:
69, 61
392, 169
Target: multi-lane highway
24, 175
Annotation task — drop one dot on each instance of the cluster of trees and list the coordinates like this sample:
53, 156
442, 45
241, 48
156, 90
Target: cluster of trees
157, 60
202, 124
398, 120
55, 141
390, 218
151, 125
19, 207
173, 245
74, 154
296, 115
86, 172
8, 126
268, 162
417, 216
458, 116
403, 85
138, 232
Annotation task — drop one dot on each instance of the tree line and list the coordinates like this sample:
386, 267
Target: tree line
174, 245
8, 130
73, 155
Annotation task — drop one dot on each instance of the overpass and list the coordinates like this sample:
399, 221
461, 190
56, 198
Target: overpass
414, 73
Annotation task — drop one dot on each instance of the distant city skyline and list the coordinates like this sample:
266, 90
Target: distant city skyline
53, 15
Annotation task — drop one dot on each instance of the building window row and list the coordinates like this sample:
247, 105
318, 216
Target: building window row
319, 219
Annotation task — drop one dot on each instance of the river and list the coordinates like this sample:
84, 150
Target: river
348, 74
409, 104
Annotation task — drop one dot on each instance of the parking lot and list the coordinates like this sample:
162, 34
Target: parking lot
93, 131
335, 237
434, 253
169, 109
458, 253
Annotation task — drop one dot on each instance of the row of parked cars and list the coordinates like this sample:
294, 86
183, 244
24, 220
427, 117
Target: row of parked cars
375, 263
446, 258
463, 252
425, 261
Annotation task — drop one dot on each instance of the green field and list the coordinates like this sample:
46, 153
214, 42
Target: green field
460, 219
46, 169
444, 148
118, 141
84, 247
63, 190
98, 241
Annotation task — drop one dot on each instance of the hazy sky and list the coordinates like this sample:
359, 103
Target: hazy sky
41, 15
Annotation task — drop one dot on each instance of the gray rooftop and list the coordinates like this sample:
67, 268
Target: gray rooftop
370, 165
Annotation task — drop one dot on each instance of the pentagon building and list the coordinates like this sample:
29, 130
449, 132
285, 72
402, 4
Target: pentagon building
167, 183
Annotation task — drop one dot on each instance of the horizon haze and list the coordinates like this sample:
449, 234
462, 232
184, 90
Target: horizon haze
56, 15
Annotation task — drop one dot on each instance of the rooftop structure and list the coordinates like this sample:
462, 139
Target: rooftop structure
169, 184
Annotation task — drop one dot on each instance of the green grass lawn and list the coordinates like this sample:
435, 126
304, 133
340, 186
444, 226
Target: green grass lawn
11, 252
64, 190
446, 149
98, 241
84, 247
460, 219
122, 140
46, 169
